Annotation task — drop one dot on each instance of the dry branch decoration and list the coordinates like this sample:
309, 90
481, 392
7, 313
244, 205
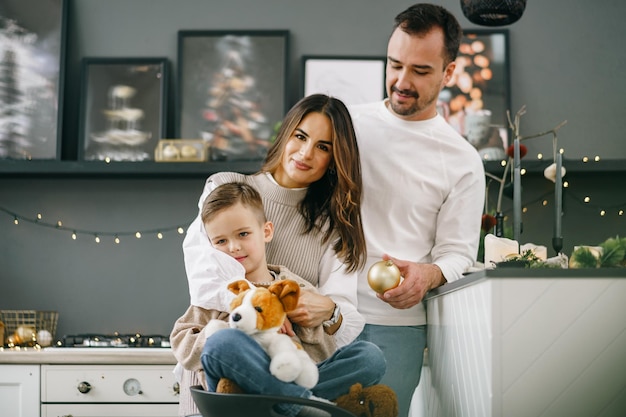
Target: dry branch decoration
511, 170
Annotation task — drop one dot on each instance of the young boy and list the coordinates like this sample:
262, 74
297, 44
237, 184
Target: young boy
235, 223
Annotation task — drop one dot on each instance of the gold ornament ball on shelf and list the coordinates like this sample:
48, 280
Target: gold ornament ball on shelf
188, 151
170, 152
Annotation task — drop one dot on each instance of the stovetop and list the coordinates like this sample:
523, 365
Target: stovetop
92, 340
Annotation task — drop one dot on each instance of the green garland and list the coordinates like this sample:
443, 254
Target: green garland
612, 255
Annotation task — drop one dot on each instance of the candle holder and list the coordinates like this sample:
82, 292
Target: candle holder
557, 240
499, 227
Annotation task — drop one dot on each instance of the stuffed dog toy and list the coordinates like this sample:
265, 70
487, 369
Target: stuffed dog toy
260, 312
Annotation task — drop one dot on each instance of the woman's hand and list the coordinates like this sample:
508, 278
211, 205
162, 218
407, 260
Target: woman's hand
287, 329
312, 309
418, 280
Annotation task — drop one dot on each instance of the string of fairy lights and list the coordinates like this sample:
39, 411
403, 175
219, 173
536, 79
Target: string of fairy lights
97, 236
586, 200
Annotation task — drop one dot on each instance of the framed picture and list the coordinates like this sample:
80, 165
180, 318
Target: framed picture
476, 99
354, 80
232, 90
123, 108
32, 56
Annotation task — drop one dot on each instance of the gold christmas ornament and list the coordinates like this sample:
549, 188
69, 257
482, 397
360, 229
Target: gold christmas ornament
383, 276
24, 334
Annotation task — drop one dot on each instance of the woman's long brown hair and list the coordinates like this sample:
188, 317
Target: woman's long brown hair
336, 197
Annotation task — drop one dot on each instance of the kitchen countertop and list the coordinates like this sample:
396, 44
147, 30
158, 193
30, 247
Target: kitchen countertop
74, 355
512, 273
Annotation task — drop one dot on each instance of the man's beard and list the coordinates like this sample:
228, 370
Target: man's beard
410, 108
404, 109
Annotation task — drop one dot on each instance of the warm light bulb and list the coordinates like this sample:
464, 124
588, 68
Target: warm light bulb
107, 160
587, 199
602, 213
97, 239
585, 159
59, 223
160, 235
524, 209
180, 230
544, 203
620, 213
540, 156
117, 239
39, 216
522, 171
565, 184
503, 163
597, 158
74, 235
138, 235
16, 221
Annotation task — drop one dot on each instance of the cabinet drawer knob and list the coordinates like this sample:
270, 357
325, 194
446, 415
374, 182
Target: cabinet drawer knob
84, 387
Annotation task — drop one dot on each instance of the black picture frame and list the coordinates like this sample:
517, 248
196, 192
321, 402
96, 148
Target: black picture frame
353, 79
232, 90
32, 66
477, 98
123, 108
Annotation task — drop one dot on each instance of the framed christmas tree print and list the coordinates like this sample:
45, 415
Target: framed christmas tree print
32, 50
231, 90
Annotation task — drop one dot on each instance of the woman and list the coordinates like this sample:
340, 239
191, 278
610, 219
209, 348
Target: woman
311, 189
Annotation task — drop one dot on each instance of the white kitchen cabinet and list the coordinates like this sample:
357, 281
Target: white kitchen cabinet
108, 390
520, 342
19, 390
84, 382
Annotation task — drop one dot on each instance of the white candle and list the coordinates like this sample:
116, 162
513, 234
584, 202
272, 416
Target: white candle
557, 241
540, 251
497, 249
517, 191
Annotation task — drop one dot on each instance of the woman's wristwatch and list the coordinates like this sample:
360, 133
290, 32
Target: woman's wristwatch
334, 319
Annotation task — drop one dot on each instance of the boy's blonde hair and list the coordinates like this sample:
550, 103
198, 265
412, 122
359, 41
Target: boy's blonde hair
228, 195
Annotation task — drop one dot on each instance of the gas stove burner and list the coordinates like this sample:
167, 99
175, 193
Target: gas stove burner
115, 340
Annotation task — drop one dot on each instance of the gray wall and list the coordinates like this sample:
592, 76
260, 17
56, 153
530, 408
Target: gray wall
566, 61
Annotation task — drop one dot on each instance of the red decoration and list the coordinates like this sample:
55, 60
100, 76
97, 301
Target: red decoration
522, 151
488, 222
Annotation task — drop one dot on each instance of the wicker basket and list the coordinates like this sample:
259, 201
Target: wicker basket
38, 320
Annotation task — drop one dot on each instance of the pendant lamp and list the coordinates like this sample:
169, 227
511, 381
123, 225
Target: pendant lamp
493, 12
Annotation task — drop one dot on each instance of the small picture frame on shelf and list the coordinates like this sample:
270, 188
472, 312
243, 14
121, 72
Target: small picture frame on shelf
353, 80
123, 108
476, 99
32, 57
232, 90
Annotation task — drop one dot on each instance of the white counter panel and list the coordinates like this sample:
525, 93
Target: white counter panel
528, 346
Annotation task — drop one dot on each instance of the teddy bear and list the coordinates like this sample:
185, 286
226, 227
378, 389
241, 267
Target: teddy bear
374, 401
260, 312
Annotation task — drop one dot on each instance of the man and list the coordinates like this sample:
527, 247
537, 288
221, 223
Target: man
423, 194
